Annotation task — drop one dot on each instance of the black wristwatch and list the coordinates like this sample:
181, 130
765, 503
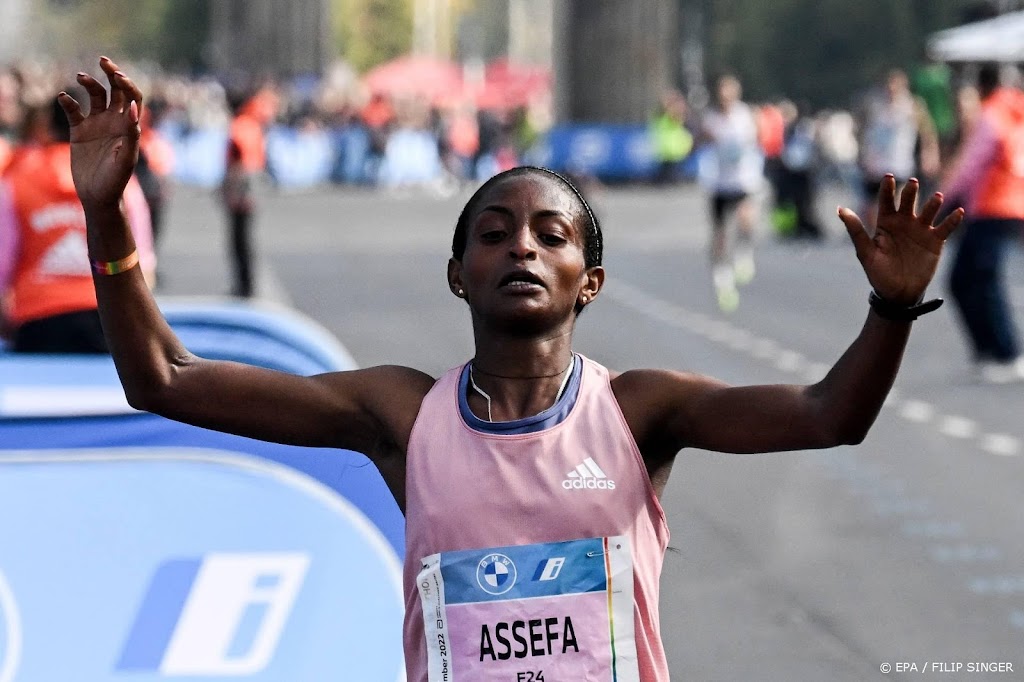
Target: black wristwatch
898, 312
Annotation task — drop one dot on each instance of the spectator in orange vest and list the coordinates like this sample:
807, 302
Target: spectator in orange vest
247, 129
46, 288
156, 161
379, 118
989, 179
771, 129
246, 162
237, 195
771, 136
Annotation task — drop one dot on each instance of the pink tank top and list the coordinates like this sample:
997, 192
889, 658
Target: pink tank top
573, 472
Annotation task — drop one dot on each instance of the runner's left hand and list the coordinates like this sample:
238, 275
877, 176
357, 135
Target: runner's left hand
901, 258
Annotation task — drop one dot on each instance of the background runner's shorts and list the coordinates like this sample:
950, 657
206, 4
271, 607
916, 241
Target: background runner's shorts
725, 202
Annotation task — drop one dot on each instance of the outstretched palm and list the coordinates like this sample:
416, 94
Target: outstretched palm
104, 144
901, 258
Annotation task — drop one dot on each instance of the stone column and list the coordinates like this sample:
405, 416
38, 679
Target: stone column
13, 26
613, 59
278, 37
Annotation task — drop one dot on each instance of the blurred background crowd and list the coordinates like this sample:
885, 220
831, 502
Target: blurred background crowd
438, 95
435, 94
379, 130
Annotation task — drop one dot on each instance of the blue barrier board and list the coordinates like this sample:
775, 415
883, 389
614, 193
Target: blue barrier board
141, 548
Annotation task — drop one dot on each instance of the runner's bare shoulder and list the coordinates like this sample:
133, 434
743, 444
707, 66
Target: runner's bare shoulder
652, 400
392, 394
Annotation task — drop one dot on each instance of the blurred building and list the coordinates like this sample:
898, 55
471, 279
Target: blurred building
13, 21
531, 31
269, 37
433, 24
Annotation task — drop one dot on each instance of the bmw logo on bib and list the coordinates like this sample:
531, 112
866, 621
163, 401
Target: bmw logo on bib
496, 574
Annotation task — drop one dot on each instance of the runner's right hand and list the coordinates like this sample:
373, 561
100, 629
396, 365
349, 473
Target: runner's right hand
104, 144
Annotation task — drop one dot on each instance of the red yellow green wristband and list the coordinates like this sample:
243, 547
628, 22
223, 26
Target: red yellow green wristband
115, 267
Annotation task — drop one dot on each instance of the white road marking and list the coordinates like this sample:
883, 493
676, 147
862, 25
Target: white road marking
933, 529
1017, 619
765, 349
1001, 585
269, 286
720, 332
740, 340
917, 411
901, 507
787, 360
965, 553
1001, 444
957, 427
816, 371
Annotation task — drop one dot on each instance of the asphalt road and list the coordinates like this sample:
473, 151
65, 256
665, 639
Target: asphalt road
906, 550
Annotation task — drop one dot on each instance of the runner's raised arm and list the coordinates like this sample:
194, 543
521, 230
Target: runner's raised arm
671, 410
341, 409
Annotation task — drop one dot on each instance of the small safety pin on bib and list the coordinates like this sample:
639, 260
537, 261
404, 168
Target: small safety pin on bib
591, 555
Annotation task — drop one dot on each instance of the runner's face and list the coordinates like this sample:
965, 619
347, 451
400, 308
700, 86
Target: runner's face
523, 263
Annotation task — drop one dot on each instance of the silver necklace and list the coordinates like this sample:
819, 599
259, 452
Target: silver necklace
561, 389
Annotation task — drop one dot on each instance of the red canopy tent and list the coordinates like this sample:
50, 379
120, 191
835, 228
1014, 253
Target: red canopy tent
505, 85
415, 76
508, 85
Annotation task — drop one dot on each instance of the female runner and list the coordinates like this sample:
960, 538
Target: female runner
530, 476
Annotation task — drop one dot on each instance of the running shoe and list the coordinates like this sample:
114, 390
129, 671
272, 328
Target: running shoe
743, 266
992, 372
725, 288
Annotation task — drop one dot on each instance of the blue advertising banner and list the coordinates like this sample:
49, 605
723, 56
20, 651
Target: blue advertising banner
304, 158
606, 151
134, 547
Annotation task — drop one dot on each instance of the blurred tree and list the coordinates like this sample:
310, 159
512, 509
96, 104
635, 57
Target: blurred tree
483, 31
181, 42
369, 32
818, 51
173, 32
73, 29
822, 52
268, 38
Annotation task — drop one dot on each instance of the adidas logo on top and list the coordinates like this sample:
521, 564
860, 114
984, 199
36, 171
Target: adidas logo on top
588, 476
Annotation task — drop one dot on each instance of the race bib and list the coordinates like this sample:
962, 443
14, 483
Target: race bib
556, 612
